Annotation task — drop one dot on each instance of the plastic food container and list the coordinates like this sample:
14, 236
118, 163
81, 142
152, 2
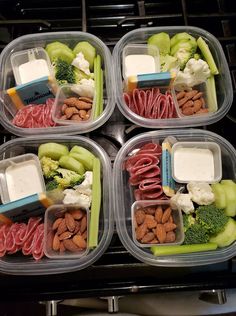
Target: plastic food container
63, 93
38, 56
52, 214
223, 80
17, 170
124, 197
41, 40
23, 265
209, 152
177, 218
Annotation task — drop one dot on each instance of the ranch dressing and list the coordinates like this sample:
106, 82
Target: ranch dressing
33, 69
193, 164
22, 180
139, 64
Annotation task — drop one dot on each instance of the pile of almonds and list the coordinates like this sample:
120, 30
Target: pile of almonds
70, 231
191, 102
154, 225
76, 109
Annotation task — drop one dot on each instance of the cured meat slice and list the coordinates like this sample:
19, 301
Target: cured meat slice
37, 249
141, 159
149, 195
146, 172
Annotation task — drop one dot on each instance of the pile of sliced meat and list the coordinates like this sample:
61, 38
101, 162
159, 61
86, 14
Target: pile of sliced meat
144, 170
35, 115
151, 103
25, 237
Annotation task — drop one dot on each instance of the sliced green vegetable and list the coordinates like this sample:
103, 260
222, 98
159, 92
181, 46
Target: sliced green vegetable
228, 182
182, 45
207, 55
230, 194
211, 94
182, 37
220, 198
101, 89
52, 150
96, 204
70, 163
61, 53
86, 158
98, 86
181, 249
227, 236
56, 45
88, 51
162, 41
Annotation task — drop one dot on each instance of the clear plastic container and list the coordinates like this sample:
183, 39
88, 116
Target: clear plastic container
215, 169
52, 214
36, 57
23, 265
63, 93
223, 80
124, 196
177, 219
20, 166
41, 40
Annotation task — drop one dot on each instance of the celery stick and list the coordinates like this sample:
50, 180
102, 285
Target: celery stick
211, 94
101, 89
97, 74
96, 204
204, 48
181, 249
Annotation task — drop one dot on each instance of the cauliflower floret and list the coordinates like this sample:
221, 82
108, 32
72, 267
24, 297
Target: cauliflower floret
85, 88
74, 197
201, 193
182, 201
194, 73
81, 63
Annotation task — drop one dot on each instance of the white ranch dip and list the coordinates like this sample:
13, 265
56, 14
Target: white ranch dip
139, 64
193, 164
33, 69
22, 180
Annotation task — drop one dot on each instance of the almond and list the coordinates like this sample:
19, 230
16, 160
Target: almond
139, 216
70, 222
161, 233
84, 235
154, 241
65, 235
180, 95
70, 245
150, 210
83, 225
170, 237
56, 243
166, 215
147, 238
141, 231
150, 221
62, 227
77, 214
169, 227
57, 223
62, 247
79, 241
77, 227
170, 220
158, 214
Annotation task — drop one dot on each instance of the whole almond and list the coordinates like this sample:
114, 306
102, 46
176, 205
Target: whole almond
141, 231
70, 222
147, 238
150, 221
56, 223
77, 227
83, 225
197, 96
170, 237
70, 245
166, 215
180, 95
79, 241
161, 233
56, 243
65, 235
158, 214
62, 227
150, 210
154, 241
77, 214
170, 220
84, 235
62, 247
169, 227
139, 216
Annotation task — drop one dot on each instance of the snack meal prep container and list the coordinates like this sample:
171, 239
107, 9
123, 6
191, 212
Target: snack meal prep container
124, 196
23, 265
41, 40
224, 89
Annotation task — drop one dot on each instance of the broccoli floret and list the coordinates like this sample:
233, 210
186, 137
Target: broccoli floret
51, 185
188, 221
212, 218
196, 234
67, 178
197, 56
49, 167
64, 72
